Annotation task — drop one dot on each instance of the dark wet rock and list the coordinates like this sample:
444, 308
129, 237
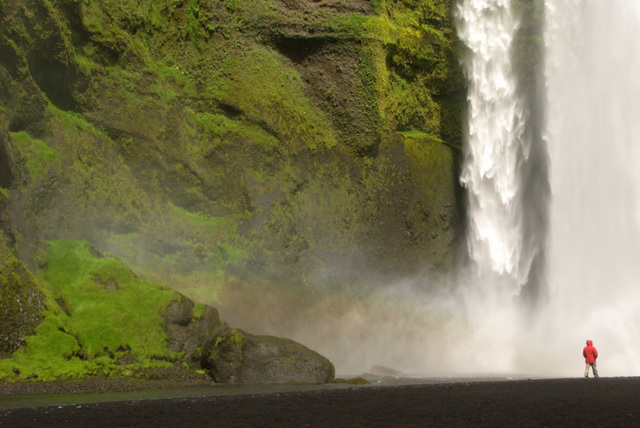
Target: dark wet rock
127, 359
239, 357
109, 284
5, 222
187, 331
180, 311
63, 305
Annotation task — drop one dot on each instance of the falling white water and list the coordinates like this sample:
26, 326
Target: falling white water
495, 134
593, 79
593, 136
496, 149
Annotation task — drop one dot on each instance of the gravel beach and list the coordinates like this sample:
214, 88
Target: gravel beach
521, 403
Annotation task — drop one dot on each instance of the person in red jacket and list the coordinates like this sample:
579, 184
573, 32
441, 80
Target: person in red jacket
590, 354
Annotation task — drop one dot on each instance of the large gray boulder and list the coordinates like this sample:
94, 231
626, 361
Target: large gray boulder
240, 357
234, 356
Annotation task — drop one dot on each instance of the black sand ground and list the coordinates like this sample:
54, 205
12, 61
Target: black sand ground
590, 403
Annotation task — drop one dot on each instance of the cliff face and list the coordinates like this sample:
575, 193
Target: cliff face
226, 147
20, 299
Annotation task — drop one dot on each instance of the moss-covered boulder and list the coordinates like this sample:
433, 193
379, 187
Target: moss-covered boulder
98, 319
240, 357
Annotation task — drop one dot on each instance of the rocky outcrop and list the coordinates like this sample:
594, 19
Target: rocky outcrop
107, 321
5, 221
189, 331
240, 357
234, 356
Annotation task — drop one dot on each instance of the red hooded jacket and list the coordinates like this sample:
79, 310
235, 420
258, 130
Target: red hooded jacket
590, 353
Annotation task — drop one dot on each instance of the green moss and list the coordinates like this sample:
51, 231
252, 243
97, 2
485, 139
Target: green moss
205, 149
432, 170
98, 311
198, 311
36, 154
423, 71
103, 316
237, 338
213, 129
71, 121
427, 138
214, 224
228, 347
50, 354
279, 101
87, 65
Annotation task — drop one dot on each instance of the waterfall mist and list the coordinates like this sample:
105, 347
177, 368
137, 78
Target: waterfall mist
593, 66
401, 326
538, 285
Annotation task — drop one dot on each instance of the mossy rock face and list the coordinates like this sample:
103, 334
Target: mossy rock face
194, 139
239, 357
227, 148
20, 299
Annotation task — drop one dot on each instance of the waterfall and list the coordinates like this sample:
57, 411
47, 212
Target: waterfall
498, 160
495, 138
593, 64
554, 214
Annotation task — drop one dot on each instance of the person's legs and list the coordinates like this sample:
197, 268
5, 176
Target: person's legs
586, 370
595, 369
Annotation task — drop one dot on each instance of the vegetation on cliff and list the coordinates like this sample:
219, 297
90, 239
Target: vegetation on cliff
225, 147
20, 300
